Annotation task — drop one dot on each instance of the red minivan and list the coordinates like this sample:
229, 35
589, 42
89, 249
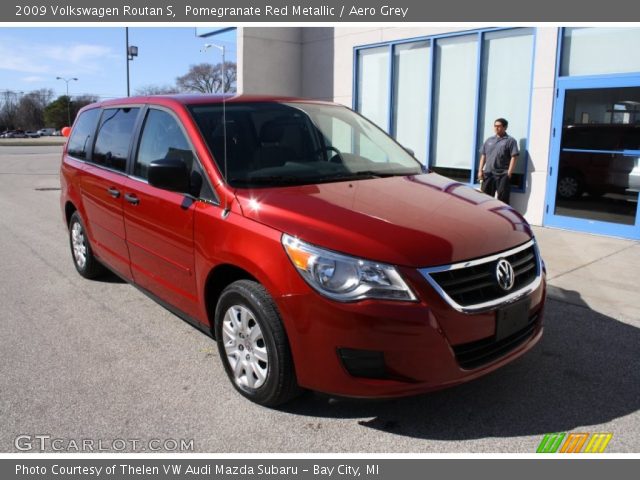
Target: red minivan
318, 252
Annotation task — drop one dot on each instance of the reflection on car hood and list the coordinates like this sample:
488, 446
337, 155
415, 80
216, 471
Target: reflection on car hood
417, 221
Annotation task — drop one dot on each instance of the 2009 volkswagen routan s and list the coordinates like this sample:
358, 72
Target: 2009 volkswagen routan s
316, 250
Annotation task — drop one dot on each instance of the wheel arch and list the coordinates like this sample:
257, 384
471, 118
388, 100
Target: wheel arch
219, 278
69, 210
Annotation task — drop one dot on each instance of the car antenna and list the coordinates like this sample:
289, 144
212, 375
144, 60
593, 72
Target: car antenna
225, 210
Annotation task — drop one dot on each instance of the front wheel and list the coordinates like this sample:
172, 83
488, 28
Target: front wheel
253, 344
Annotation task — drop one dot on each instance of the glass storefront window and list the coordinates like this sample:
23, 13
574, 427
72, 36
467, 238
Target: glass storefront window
454, 106
444, 92
597, 51
505, 89
373, 85
599, 164
411, 90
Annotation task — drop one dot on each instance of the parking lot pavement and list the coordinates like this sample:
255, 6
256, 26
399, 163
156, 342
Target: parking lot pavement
598, 271
98, 360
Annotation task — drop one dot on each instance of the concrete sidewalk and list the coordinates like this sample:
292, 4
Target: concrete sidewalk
596, 272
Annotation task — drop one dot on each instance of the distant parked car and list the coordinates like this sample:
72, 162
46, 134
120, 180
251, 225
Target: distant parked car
46, 132
56, 133
16, 134
32, 134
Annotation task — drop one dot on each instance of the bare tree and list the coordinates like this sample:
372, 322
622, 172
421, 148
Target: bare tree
157, 90
231, 77
9, 101
30, 111
207, 78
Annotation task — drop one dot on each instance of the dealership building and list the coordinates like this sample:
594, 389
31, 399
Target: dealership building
571, 96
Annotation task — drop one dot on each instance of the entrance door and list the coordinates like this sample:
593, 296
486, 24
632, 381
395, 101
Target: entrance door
595, 168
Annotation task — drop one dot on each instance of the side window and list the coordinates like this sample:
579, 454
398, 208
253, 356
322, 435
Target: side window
83, 130
114, 136
161, 138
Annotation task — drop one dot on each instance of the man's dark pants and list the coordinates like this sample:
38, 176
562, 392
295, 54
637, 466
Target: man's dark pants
497, 183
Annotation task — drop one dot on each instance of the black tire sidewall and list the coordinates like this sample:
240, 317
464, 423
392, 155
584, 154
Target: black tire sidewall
248, 295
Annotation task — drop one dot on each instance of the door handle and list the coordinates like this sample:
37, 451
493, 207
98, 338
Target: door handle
114, 192
131, 198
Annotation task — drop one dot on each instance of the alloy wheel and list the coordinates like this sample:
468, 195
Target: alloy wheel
245, 347
79, 244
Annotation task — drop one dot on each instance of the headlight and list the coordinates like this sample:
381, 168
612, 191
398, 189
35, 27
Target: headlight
345, 278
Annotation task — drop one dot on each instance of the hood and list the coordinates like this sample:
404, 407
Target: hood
417, 221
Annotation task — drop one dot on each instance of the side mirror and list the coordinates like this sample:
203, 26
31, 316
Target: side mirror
409, 151
169, 174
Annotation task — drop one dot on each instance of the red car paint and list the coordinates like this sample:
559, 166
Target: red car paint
176, 248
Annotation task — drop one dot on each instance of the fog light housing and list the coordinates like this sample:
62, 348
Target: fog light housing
363, 363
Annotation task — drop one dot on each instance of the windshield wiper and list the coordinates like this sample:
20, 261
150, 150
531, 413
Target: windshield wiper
295, 179
360, 175
271, 179
375, 173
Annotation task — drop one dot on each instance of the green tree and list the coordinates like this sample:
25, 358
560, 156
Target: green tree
56, 114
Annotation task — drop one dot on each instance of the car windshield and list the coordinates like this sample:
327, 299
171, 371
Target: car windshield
275, 144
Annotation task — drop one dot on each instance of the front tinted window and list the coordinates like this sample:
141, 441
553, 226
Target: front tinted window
269, 144
162, 138
114, 136
83, 130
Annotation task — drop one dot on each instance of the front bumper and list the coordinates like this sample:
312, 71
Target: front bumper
422, 343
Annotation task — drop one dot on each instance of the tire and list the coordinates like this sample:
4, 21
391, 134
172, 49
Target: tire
253, 345
83, 259
570, 186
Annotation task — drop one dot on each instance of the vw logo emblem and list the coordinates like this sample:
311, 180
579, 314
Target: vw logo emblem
505, 274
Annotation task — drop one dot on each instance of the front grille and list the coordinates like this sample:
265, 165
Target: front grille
477, 283
475, 354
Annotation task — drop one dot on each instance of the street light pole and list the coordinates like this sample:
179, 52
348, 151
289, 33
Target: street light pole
132, 51
67, 80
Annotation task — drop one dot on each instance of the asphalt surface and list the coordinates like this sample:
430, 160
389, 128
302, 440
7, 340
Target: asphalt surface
99, 361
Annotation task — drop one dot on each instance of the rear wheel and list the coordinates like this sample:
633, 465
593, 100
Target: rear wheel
85, 262
253, 345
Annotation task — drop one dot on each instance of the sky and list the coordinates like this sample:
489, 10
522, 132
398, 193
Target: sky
32, 57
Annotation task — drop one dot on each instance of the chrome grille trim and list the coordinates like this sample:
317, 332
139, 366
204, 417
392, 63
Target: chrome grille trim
491, 304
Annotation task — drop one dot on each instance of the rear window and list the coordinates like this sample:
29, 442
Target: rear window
114, 137
83, 130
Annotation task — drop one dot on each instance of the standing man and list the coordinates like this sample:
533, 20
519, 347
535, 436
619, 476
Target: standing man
498, 159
